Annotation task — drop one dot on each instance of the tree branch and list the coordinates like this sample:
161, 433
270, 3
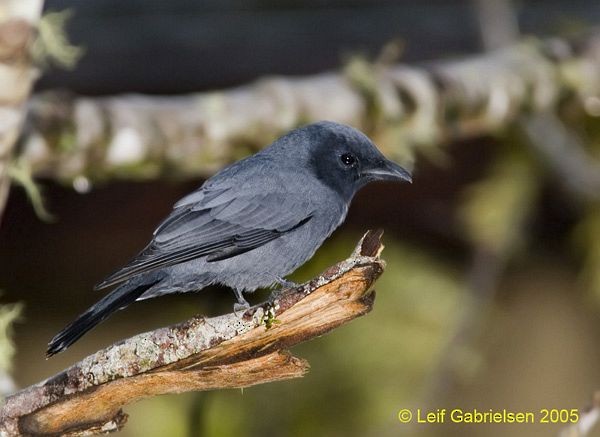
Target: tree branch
228, 351
82, 139
565, 153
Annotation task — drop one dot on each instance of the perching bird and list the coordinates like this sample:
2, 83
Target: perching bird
249, 225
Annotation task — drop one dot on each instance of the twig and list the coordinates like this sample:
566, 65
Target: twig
233, 350
482, 281
498, 23
577, 171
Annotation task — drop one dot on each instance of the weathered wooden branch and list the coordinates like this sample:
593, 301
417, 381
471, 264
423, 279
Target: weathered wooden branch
78, 139
232, 350
18, 19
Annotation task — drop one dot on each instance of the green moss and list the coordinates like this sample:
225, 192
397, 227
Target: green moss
9, 313
52, 45
21, 174
270, 320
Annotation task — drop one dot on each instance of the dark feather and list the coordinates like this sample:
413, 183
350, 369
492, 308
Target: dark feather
217, 227
119, 298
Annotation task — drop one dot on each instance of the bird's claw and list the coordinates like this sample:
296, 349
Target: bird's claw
239, 307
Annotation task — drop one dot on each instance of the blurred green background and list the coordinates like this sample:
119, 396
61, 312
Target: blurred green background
491, 295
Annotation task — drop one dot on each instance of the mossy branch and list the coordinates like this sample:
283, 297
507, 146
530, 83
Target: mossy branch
402, 107
232, 350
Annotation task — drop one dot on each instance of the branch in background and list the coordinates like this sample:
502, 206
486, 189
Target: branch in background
565, 153
546, 132
83, 139
18, 20
498, 23
495, 212
229, 351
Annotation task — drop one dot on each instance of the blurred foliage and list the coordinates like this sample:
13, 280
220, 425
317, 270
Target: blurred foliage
52, 45
495, 209
586, 235
587, 240
9, 313
21, 174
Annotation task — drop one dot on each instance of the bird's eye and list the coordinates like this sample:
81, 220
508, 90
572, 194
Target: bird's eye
348, 159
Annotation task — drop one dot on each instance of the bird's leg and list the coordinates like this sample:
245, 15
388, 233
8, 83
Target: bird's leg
284, 285
241, 304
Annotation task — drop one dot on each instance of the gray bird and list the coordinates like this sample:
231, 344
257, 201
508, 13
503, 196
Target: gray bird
251, 224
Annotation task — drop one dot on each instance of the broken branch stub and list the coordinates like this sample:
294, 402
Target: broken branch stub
228, 351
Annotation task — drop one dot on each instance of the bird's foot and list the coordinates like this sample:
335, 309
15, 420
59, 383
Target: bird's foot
284, 283
241, 305
240, 308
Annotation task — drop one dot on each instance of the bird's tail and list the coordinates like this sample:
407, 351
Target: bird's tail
117, 299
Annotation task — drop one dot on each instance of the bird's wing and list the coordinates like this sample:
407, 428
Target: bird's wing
217, 224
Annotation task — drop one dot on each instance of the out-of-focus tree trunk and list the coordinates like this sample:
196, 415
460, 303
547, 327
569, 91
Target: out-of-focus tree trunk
18, 20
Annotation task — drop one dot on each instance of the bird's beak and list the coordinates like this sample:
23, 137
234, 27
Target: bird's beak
387, 170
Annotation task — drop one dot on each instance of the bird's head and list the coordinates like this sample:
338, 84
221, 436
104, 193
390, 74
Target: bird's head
342, 157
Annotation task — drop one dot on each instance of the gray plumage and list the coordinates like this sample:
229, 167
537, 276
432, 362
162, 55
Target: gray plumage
251, 224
